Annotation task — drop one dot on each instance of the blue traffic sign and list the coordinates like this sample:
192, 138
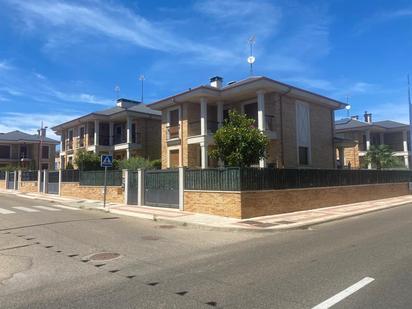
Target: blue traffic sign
106, 161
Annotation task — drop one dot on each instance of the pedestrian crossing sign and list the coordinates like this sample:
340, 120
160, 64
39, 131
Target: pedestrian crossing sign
106, 161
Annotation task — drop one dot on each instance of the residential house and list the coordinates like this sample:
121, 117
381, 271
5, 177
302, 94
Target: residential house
367, 133
298, 123
31, 151
126, 130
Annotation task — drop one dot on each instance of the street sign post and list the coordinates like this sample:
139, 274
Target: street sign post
105, 161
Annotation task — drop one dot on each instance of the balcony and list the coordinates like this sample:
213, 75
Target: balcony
195, 129
69, 145
173, 132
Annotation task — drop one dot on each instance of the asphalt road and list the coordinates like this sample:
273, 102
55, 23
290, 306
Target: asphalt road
362, 262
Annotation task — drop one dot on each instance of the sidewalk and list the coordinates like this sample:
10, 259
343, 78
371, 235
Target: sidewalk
280, 222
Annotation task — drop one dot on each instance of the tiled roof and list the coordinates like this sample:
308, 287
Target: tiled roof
389, 124
24, 137
348, 123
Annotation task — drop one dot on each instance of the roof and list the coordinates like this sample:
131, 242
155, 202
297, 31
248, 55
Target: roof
250, 83
353, 124
131, 106
17, 136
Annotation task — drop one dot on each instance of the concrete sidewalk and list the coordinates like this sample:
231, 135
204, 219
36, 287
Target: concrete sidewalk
280, 222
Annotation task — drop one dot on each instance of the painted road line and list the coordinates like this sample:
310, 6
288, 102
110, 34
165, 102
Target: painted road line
66, 207
26, 209
343, 294
47, 208
6, 211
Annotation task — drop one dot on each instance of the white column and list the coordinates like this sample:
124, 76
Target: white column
96, 133
61, 142
6, 178
220, 113
19, 179
405, 148
382, 138
203, 116
60, 182
261, 110
129, 131
45, 180
111, 137
39, 186
368, 145
203, 151
126, 187
140, 187
181, 188
15, 180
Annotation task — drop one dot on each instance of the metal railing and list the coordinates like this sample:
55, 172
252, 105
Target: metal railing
195, 127
173, 132
29, 175
70, 175
2, 175
96, 178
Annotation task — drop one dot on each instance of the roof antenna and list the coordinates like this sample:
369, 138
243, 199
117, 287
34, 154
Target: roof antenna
251, 59
410, 111
141, 78
117, 90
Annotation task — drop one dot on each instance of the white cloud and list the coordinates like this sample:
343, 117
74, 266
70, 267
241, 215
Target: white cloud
313, 83
4, 65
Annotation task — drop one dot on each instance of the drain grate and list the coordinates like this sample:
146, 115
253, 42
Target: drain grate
182, 293
257, 223
113, 271
104, 256
72, 255
48, 247
85, 261
130, 277
110, 218
99, 265
58, 251
150, 237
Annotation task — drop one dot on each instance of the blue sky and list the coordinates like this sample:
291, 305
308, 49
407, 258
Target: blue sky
61, 59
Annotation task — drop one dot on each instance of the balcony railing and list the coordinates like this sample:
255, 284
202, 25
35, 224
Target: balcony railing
173, 132
195, 129
69, 145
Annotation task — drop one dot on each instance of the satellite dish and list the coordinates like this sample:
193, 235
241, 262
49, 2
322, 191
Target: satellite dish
348, 107
251, 59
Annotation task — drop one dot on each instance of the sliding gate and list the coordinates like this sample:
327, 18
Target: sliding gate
10, 182
161, 188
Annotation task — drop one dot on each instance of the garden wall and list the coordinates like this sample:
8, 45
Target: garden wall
28, 186
115, 194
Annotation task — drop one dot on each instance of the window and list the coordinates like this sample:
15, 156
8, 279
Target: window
4, 151
251, 110
173, 158
45, 166
81, 136
303, 155
70, 146
174, 117
23, 152
45, 152
303, 133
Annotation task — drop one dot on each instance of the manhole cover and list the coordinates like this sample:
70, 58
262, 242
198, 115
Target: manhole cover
104, 256
150, 237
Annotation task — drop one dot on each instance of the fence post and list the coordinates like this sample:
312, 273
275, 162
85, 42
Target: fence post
7, 177
39, 187
45, 180
181, 188
126, 187
60, 182
19, 179
15, 181
140, 187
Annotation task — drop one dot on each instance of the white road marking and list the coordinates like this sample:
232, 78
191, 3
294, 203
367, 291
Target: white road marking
25, 209
343, 294
6, 211
66, 207
47, 208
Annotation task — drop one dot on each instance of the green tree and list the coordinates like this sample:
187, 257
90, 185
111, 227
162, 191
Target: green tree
238, 142
135, 163
382, 156
87, 161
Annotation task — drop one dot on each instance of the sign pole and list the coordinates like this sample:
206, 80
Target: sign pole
105, 187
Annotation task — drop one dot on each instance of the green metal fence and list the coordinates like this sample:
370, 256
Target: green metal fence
2, 175
247, 179
96, 178
29, 175
70, 176
218, 179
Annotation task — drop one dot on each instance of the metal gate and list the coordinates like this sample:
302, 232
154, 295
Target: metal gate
53, 184
10, 182
132, 188
161, 188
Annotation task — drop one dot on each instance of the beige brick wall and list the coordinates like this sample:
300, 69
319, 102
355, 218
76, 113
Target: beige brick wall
289, 132
263, 203
164, 143
352, 156
214, 203
114, 194
2, 184
321, 127
28, 186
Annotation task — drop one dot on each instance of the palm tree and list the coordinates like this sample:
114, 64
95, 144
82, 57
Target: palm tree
381, 156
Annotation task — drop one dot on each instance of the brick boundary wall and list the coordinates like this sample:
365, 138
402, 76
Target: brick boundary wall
249, 204
28, 186
114, 193
2, 184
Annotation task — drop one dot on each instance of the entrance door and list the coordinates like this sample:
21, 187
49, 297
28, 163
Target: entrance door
53, 184
10, 183
132, 188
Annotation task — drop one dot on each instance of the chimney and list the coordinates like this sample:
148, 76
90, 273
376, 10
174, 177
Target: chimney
368, 117
41, 132
216, 82
125, 103
356, 117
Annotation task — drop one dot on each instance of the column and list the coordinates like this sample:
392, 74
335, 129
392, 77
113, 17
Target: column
220, 113
45, 180
129, 131
382, 138
96, 133
15, 184
368, 145
60, 182
19, 172
39, 184
203, 116
62, 143
181, 188
341, 151
405, 148
126, 187
203, 151
6, 178
140, 187
261, 118
111, 134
